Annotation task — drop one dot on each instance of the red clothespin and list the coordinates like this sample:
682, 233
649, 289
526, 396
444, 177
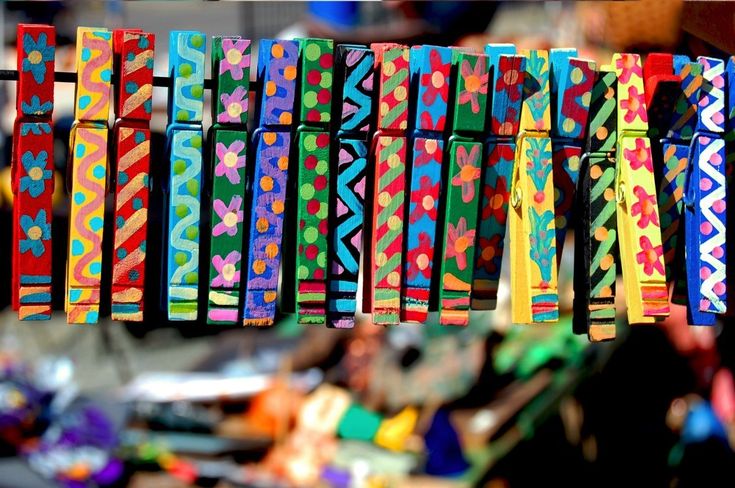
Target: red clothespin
32, 172
133, 61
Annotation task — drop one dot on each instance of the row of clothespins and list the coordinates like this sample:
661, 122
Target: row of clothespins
429, 152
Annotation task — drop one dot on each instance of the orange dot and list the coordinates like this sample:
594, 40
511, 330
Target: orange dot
271, 250
601, 234
283, 162
258, 267
488, 253
595, 172
277, 207
262, 225
601, 133
277, 51
606, 262
609, 194
270, 88
290, 72
266, 183
269, 138
285, 118
497, 201
605, 292
269, 296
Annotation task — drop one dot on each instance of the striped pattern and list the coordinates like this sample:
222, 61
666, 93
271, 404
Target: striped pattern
670, 199
393, 86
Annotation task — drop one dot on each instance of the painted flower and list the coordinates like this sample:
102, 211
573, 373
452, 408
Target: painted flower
650, 257
429, 152
634, 105
36, 173
230, 215
459, 239
229, 161
234, 59
36, 230
235, 104
35, 128
645, 207
468, 171
511, 83
489, 252
475, 83
640, 156
228, 274
497, 200
627, 65
36, 107
436, 80
420, 258
424, 201
37, 54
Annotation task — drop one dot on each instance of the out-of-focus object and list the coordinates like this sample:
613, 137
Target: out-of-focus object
32, 175
710, 21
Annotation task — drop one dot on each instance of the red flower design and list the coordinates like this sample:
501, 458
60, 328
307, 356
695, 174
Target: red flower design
497, 198
628, 65
489, 250
650, 257
640, 156
420, 258
436, 80
475, 83
469, 171
511, 82
425, 200
428, 151
634, 105
645, 207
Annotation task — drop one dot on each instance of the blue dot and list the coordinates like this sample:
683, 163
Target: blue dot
122, 178
139, 136
133, 275
137, 203
79, 198
77, 248
106, 35
96, 223
80, 150
119, 222
142, 246
131, 57
131, 87
148, 106
145, 180
84, 101
95, 268
86, 54
99, 171
121, 253
106, 75
92, 317
149, 63
75, 295
143, 42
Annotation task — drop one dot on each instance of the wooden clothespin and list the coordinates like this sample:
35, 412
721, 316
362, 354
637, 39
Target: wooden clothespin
533, 283
462, 198
430, 81
277, 71
383, 283
32, 169
133, 65
312, 179
352, 107
507, 73
705, 202
229, 136
639, 230
88, 173
730, 149
571, 86
596, 237
183, 191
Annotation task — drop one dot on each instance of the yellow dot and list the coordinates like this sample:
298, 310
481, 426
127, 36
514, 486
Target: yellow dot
285, 118
262, 224
277, 51
270, 88
381, 259
277, 207
290, 72
574, 163
269, 296
271, 250
258, 267
576, 75
234, 56
35, 174
427, 202
384, 108
569, 124
393, 160
430, 146
437, 79
389, 68
230, 159
403, 124
269, 138
228, 271
35, 57
586, 98
400, 93
234, 110
394, 222
230, 219
422, 261
266, 183
384, 199
393, 278
283, 162
35, 233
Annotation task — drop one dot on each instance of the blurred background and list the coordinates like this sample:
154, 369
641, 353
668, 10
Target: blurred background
170, 405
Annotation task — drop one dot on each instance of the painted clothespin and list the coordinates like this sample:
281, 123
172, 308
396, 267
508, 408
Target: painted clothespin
571, 87
33, 172
277, 71
133, 66
705, 202
430, 80
352, 107
639, 230
596, 237
229, 136
672, 96
182, 190
384, 266
507, 73
462, 194
533, 278
730, 151
312, 179
88, 173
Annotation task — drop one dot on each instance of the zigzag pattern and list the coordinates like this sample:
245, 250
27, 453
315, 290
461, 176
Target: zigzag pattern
712, 99
358, 88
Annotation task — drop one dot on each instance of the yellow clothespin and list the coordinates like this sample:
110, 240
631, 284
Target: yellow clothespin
533, 282
639, 231
88, 171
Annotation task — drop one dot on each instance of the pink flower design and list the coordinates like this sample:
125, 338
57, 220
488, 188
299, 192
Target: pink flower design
235, 104
650, 257
468, 171
227, 269
640, 156
635, 105
459, 239
234, 60
627, 65
475, 83
645, 207
229, 161
229, 215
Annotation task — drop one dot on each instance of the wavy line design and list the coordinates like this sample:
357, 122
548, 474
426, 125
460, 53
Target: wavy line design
93, 90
